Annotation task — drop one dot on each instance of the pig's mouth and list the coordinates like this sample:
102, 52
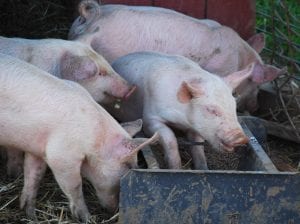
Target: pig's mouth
118, 98
231, 147
109, 97
226, 147
131, 90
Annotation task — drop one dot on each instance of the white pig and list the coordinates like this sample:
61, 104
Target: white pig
174, 91
68, 60
56, 122
117, 30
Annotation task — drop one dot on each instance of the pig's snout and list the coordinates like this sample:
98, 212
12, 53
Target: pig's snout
233, 139
121, 88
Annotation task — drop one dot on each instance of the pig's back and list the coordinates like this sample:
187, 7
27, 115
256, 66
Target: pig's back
35, 105
31, 90
46, 54
141, 67
157, 76
120, 30
126, 29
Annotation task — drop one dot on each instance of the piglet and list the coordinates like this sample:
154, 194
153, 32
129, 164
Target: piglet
67, 60
57, 123
174, 92
117, 30
70, 60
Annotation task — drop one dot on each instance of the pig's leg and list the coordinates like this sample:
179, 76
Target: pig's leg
197, 151
14, 162
66, 169
168, 141
34, 170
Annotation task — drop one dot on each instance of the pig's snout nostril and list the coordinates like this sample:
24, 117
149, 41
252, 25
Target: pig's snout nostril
131, 90
237, 139
234, 139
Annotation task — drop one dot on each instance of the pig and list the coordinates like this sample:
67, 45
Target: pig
70, 60
117, 30
57, 123
175, 92
67, 60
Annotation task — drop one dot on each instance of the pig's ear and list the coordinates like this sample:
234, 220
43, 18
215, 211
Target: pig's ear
77, 68
189, 90
266, 73
257, 42
236, 78
88, 9
132, 146
133, 127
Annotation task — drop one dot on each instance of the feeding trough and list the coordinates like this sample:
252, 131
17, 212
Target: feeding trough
257, 193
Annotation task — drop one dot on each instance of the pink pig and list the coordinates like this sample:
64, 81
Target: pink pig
68, 60
174, 92
57, 123
117, 30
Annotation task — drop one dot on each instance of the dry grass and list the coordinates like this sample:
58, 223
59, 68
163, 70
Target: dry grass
36, 18
51, 206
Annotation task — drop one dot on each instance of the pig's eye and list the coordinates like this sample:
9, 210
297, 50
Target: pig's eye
235, 94
103, 73
213, 110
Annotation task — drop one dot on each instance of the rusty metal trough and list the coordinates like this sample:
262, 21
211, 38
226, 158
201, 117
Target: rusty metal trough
256, 194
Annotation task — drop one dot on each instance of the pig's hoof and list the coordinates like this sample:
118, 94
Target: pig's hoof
28, 205
30, 212
81, 214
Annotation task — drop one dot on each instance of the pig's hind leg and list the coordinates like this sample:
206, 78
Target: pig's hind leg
168, 141
197, 151
34, 170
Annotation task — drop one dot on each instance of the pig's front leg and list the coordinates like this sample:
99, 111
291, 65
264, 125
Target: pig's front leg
168, 141
66, 167
34, 170
14, 162
197, 151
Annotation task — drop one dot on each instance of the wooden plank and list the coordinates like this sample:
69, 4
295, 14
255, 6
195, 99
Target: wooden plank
237, 14
195, 8
128, 2
177, 196
150, 158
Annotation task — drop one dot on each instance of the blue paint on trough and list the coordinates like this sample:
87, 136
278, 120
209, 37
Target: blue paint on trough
258, 194
168, 196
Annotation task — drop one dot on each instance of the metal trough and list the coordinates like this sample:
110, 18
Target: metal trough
258, 194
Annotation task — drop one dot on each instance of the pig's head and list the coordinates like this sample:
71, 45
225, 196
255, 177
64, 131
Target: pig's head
94, 73
89, 11
246, 92
118, 156
211, 108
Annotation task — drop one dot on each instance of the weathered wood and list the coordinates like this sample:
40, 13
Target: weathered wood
150, 158
259, 158
194, 8
281, 131
237, 14
177, 196
131, 2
